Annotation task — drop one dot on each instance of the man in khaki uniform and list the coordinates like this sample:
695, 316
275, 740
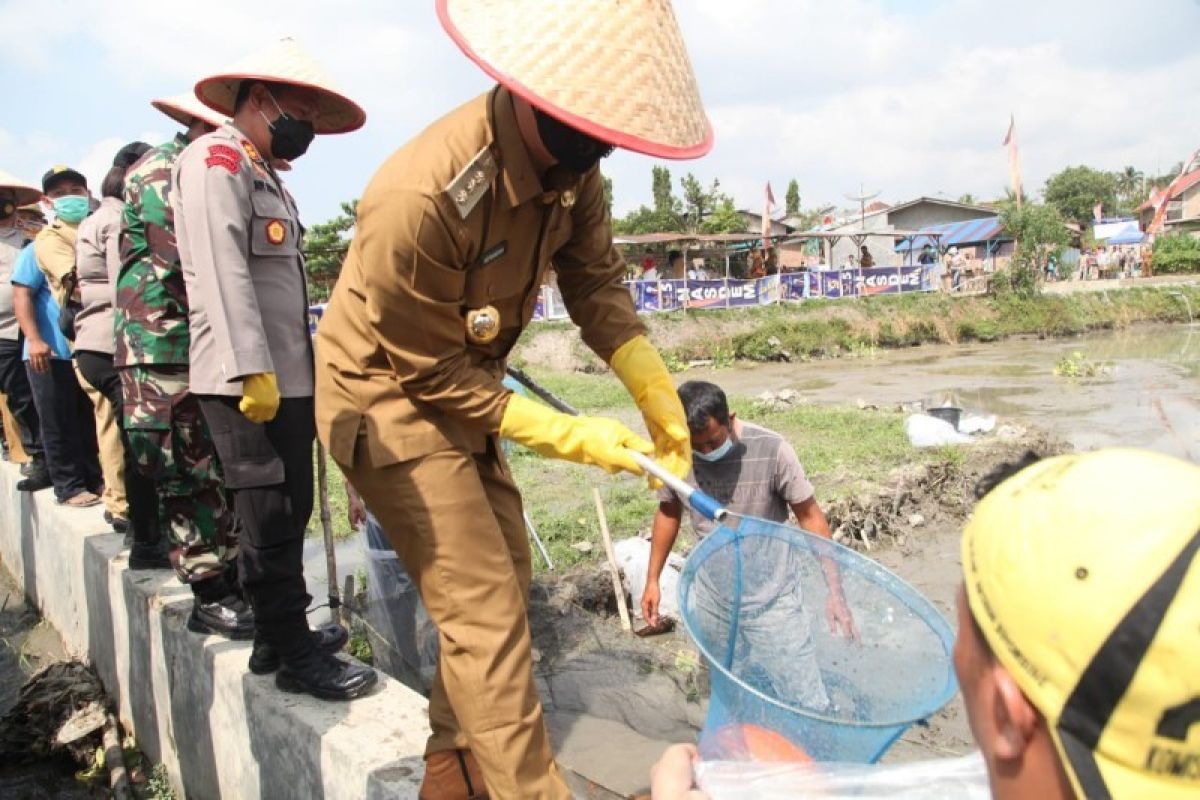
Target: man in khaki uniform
455, 235
238, 234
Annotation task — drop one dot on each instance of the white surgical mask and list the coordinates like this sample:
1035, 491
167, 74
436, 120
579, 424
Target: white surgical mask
718, 453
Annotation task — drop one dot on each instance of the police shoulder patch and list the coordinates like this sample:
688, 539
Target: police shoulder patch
473, 182
224, 156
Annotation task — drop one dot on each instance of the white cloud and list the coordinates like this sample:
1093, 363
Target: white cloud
906, 96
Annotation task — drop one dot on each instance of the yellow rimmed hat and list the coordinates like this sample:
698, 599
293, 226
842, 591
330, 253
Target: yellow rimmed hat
1083, 572
284, 62
617, 70
183, 108
25, 193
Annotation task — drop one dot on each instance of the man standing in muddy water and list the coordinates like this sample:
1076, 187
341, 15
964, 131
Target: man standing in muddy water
455, 235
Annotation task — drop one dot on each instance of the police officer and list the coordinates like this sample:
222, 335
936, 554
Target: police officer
251, 356
14, 383
455, 235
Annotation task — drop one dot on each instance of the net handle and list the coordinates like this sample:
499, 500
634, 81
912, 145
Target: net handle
703, 503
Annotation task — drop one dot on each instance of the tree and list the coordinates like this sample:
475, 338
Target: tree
792, 201
699, 202
325, 245
608, 193
725, 218
1076, 190
665, 216
665, 201
1040, 235
967, 199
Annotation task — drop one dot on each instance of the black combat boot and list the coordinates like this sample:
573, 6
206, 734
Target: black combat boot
148, 555
36, 479
217, 609
324, 676
327, 639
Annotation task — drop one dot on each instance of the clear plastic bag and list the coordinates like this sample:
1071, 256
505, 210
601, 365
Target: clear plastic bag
963, 778
404, 640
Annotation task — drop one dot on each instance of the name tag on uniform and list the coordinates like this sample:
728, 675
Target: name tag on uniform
492, 253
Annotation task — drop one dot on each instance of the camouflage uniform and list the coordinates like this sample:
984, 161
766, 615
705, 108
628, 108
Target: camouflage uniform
162, 418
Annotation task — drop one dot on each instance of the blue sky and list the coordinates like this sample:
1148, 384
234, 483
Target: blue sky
907, 98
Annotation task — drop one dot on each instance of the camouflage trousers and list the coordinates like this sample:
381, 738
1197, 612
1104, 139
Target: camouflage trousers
172, 447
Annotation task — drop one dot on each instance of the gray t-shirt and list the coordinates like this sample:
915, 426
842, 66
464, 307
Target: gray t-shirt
760, 477
12, 241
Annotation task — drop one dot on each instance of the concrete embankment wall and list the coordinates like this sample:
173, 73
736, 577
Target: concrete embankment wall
221, 731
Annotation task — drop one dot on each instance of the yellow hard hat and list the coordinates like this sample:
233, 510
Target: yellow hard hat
1082, 572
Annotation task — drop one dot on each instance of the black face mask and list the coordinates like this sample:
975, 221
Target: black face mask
573, 149
290, 137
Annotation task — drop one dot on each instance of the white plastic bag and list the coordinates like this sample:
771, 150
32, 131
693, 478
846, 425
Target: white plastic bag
939, 779
973, 423
633, 557
926, 431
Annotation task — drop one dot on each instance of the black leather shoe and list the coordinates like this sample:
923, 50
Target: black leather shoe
119, 524
229, 617
325, 677
38, 479
149, 555
327, 639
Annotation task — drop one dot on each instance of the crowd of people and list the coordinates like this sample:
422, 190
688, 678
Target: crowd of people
156, 357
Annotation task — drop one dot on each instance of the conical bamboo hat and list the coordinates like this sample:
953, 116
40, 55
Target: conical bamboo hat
183, 108
284, 62
615, 69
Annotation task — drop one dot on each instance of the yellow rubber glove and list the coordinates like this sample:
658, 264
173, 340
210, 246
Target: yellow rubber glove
260, 397
584, 440
641, 369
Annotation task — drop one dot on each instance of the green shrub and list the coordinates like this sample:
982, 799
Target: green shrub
1176, 254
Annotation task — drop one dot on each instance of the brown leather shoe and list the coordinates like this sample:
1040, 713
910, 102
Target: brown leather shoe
452, 775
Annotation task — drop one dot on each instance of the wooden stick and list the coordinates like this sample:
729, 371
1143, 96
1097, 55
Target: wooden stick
618, 589
114, 759
335, 600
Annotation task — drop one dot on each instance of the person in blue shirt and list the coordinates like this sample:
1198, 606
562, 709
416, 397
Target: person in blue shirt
63, 409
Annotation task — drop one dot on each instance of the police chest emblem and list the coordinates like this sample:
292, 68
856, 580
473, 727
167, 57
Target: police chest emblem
276, 232
483, 324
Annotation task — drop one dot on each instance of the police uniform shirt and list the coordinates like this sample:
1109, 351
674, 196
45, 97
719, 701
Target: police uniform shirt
238, 233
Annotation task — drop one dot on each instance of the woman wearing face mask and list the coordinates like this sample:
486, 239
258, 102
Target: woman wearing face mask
64, 413
97, 263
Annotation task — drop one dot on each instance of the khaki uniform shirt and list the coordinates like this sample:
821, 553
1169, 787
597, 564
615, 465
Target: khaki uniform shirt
98, 260
238, 233
455, 221
12, 242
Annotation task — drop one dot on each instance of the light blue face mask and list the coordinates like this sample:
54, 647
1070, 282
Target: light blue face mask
717, 454
72, 208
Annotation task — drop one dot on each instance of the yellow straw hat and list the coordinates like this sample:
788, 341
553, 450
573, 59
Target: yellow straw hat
183, 108
284, 62
26, 193
1084, 575
617, 70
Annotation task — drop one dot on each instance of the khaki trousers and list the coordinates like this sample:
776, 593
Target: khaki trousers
12, 434
112, 450
455, 520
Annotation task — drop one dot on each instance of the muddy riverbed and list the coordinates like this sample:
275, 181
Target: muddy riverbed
26, 645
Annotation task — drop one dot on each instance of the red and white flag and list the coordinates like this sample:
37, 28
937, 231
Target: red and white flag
769, 208
1014, 158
